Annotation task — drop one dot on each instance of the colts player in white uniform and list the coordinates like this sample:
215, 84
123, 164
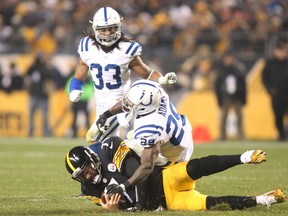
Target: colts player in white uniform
157, 120
109, 57
161, 135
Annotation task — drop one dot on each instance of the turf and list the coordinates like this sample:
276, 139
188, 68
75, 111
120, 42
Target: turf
34, 181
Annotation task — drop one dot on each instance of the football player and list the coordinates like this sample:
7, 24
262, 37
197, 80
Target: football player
113, 163
172, 188
161, 135
110, 57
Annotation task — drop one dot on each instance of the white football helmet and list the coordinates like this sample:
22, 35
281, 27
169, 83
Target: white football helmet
107, 20
143, 96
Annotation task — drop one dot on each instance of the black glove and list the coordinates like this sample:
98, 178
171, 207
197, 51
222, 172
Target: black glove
114, 188
100, 123
137, 207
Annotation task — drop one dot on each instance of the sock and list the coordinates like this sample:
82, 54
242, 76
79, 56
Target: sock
234, 202
197, 168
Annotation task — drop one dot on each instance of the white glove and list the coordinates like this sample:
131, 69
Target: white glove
75, 95
169, 78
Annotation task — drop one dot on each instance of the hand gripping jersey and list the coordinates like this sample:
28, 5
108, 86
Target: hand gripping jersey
169, 127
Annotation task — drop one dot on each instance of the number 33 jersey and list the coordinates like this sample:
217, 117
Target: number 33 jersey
167, 126
109, 71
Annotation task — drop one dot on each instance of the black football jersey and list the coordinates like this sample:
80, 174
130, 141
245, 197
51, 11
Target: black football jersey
118, 164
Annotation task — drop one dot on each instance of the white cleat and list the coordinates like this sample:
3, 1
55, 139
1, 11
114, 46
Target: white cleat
253, 156
272, 197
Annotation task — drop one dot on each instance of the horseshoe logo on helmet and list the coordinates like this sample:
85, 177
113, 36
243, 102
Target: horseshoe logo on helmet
150, 102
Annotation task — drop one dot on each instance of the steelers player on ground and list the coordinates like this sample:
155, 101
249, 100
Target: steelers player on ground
110, 57
113, 163
172, 188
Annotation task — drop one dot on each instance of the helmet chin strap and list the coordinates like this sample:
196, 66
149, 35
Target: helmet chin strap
97, 179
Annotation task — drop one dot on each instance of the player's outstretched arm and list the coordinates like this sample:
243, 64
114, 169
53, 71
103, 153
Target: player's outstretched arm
142, 70
145, 72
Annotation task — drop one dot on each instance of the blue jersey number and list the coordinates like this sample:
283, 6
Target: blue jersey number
172, 123
99, 76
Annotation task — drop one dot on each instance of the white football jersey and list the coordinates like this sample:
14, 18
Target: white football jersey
169, 127
111, 77
109, 71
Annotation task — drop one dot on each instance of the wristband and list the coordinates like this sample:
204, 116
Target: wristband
107, 114
75, 84
162, 80
125, 185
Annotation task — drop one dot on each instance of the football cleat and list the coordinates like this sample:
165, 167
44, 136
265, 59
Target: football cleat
253, 156
271, 197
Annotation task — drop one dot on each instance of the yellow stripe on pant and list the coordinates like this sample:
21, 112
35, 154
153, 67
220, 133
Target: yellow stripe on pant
179, 189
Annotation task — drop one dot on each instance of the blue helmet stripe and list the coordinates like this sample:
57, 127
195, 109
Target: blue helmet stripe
105, 15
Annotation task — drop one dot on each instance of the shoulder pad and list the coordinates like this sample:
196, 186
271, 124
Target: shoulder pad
134, 49
84, 44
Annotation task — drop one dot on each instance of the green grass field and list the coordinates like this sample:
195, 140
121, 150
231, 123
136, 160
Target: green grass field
34, 181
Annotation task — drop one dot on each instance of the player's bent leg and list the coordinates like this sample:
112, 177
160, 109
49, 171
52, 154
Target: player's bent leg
197, 168
175, 179
178, 177
188, 200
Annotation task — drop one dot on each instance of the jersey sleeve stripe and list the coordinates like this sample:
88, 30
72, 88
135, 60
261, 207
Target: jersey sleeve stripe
86, 44
147, 132
150, 126
113, 126
136, 48
81, 44
130, 47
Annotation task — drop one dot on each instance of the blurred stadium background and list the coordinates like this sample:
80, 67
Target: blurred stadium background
175, 34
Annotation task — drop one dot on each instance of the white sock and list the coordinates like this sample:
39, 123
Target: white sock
265, 200
246, 156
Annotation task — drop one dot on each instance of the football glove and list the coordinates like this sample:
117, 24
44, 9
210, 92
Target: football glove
137, 207
169, 78
75, 95
114, 188
100, 123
